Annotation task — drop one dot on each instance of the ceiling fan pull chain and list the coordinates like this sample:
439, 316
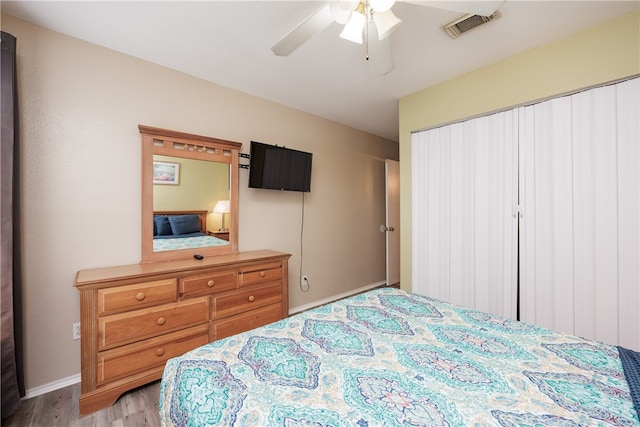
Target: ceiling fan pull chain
367, 15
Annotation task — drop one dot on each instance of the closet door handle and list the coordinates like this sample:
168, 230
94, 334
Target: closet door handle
518, 212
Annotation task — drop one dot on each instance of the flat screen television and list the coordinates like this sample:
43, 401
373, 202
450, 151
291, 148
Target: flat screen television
279, 168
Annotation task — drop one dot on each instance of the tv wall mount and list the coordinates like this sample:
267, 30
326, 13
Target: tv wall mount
245, 156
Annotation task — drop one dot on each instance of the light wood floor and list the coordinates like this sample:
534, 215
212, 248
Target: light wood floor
135, 408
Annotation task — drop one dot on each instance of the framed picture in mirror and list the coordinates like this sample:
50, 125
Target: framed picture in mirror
166, 173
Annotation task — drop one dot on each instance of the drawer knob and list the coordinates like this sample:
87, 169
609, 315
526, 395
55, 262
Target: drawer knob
210, 283
160, 352
252, 298
263, 273
161, 321
140, 296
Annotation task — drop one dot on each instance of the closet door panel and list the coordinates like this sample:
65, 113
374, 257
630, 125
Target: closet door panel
561, 204
462, 213
584, 226
431, 214
463, 189
547, 216
483, 193
580, 231
596, 213
527, 231
419, 204
438, 255
628, 109
424, 215
556, 209
494, 225
607, 209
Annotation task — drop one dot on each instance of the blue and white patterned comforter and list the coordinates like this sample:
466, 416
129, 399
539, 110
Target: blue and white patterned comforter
187, 243
388, 358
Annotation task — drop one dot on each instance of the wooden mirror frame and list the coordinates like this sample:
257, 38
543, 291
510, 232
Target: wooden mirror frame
179, 144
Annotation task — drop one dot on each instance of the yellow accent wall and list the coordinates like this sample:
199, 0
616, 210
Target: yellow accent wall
602, 54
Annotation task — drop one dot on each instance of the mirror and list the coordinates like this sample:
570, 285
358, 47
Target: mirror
189, 195
189, 187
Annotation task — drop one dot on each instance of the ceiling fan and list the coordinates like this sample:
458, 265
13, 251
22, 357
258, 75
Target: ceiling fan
369, 22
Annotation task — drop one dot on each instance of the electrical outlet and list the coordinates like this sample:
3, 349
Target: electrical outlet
75, 334
305, 280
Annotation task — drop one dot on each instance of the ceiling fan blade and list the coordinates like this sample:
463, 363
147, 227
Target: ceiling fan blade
379, 52
478, 7
315, 23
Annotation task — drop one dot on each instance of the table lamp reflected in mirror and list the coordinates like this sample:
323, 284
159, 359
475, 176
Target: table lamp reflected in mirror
222, 207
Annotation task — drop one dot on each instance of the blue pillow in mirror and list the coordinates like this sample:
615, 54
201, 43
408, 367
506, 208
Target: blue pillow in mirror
161, 226
184, 224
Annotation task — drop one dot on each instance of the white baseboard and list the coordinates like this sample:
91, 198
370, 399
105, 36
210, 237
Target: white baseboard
333, 298
74, 379
52, 386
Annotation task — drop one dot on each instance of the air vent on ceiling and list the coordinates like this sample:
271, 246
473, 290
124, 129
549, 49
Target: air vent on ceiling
468, 22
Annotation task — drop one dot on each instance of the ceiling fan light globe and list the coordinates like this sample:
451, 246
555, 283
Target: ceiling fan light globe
353, 30
341, 10
386, 23
381, 5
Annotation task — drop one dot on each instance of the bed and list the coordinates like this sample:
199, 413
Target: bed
389, 357
173, 230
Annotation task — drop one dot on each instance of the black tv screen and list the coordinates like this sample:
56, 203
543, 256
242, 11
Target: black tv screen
279, 168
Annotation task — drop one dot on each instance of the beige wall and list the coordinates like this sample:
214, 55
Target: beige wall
602, 54
80, 105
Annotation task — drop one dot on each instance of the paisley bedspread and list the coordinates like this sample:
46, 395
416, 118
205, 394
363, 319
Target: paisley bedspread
388, 357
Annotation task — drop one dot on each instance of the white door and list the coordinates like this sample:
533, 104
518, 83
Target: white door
576, 190
392, 218
580, 226
464, 229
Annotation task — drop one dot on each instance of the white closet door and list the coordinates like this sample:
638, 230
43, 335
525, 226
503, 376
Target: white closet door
579, 187
464, 190
546, 238
628, 120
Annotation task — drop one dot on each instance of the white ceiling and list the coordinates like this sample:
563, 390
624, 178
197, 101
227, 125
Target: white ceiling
228, 42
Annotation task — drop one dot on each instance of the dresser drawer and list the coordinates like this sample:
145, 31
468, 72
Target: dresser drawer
125, 328
263, 273
133, 358
248, 299
139, 295
246, 321
209, 283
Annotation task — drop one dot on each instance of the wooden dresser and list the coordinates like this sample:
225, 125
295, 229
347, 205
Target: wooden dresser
135, 317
